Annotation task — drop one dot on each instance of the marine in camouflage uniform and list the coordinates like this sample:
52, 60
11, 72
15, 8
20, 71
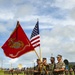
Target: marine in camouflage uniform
37, 68
45, 66
60, 66
51, 66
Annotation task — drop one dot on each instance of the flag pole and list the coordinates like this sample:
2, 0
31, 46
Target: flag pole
37, 54
40, 52
17, 30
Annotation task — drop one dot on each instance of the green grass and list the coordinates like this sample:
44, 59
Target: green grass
13, 74
2, 73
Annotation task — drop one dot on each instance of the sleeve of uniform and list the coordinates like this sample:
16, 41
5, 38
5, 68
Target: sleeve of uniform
63, 65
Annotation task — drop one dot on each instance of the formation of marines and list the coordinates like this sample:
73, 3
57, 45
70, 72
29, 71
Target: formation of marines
42, 68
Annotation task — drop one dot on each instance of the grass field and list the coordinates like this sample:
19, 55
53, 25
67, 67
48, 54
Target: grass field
2, 73
13, 74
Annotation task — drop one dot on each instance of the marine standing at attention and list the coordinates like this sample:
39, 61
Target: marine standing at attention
60, 66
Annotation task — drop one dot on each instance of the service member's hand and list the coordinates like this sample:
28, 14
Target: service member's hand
56, 70
35, 71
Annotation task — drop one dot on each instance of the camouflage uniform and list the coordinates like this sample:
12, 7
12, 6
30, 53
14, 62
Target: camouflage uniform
51, 69
44, 70
60, 65
44, 67
37, 69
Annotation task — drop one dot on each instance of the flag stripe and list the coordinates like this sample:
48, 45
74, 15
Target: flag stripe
35, 41
36, 45
38, 41
35, 38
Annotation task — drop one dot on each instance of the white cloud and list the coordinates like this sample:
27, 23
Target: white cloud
13, 60
60, 40
72, 13
17, 2
64, 4
6, 16
3, 29
25, 10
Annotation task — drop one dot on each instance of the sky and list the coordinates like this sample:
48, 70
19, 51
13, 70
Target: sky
56, 25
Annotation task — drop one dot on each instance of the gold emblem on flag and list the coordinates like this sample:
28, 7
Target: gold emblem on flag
15, 44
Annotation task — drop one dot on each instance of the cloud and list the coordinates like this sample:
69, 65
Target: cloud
72, 13
25, 10
10, 63
5, 15
2, 29
64, 4
13, 60
60, 39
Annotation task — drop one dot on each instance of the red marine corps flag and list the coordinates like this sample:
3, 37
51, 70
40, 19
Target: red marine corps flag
17, 44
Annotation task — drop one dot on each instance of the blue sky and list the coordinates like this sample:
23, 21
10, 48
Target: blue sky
56, 22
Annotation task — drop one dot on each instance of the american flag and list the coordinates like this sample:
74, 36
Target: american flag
35, 37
